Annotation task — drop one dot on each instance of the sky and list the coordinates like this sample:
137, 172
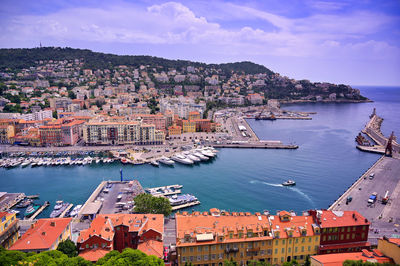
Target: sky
354, 42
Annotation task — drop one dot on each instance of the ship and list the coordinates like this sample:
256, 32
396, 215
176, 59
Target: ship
31, 210
58, 208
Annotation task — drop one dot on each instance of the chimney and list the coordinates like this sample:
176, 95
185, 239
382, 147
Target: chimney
53, 224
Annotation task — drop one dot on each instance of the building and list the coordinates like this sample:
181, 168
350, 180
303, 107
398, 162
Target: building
44, 234
203, 125
158, 120
194, 115
174, 130
71, 132
341, 231
51, 135
188, 126
295, 237
337, 259
8, 229
215, 236
120, 133
119, 231
390, 247
255, 98
41, 115
6, 133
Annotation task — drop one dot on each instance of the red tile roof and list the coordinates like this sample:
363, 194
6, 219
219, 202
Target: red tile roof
93, 254
339, 258
42, 235
340, 218
152, 247
395, 241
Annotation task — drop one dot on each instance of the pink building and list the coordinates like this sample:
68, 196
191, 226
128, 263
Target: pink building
71, 132
158, 120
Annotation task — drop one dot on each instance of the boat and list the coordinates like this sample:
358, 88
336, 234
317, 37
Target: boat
181, 159
25, 203
181, 199
75, 210
207, 153
200, 155
192, 157
154, 163
289, 183
31, 210
26, 163
58, 208
166, 161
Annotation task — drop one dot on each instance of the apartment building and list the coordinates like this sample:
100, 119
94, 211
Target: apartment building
8, 229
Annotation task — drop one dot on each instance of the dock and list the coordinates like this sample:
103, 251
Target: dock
66, 210
256, 145
384, 217
165, 190
174, 208
44, 206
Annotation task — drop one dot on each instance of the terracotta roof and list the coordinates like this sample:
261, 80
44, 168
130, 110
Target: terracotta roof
341, 218
152, 247
42, 235
339, 258
395, 241
101, 227
295, 224
93, 254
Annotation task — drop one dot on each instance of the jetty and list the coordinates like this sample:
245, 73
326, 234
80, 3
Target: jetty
62, 215
384, 145
44, 206
189, 204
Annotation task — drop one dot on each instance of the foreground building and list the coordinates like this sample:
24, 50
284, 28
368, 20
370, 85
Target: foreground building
119, 231
121, 133
337, 259
341, 231
8, 229
390, 247
44, 234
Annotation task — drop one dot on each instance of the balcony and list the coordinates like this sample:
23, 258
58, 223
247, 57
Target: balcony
253, 249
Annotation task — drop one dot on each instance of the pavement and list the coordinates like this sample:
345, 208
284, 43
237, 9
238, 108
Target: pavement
384, 218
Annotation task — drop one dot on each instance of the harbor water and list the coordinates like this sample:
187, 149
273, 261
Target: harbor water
324, 166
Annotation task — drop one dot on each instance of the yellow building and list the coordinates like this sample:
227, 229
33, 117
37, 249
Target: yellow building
194, 115
213, 237
8, 229
295, 237
390, 247
6, 133
188, 126
174, 130
44, 234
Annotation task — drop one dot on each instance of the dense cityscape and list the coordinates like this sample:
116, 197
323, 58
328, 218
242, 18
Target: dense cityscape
65, 110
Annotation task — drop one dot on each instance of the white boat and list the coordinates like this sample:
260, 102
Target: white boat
289, 183
181, 159
97, 160
26, 163
75, 210
193, 158
154, 163
166, 161
207, 153
200, 155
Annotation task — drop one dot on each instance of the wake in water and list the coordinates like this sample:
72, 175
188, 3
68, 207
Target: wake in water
291, 188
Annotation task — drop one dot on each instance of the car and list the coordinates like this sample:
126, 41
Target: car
165, 253
372, 175
372, 198
349, 199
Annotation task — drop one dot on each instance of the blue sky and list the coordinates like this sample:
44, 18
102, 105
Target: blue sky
351, 42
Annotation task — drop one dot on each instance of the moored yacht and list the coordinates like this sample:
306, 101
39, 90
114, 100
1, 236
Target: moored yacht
181, 159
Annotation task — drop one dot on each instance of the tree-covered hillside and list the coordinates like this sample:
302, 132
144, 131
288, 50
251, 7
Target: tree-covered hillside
22, 58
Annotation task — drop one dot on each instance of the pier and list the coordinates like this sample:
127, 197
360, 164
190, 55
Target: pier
384, 214
44, 206
66, 210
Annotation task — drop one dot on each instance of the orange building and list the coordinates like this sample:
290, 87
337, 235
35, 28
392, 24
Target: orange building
194, 115
119, 231
215, 236
44, 234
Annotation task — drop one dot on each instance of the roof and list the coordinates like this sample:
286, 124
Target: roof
328, 219
42, 235
93, 254
295, 224
395, 241
152, 247
136, 222
205, 228
91, 208
338, 258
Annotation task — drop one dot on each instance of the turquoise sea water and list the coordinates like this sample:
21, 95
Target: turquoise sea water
324, 166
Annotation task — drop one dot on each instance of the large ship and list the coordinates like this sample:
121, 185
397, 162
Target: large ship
58, 208
176, 200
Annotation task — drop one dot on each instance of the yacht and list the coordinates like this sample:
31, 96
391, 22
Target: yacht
31, 210
193, 158
26, 163
58, 208
75, 210
207, 153
154, 163
289, 183
181, 199
166, 160
200, 155
181, 159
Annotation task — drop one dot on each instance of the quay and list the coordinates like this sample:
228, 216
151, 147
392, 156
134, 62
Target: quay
256, 145
9, 200
382, 178
66, 210
186, 205
44, 206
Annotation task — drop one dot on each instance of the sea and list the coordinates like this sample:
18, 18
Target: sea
324, 166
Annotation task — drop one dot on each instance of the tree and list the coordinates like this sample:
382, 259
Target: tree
129, 257
146, 203
68, 248
291, 263
71, 95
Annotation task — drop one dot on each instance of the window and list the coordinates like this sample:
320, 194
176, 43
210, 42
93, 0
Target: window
290, 241
309, 240
309, 248
324, 238
205, 248
295, 249
191, 249
183, 259
348, 229
191, 258
205, 257
199, 249
316, 248
198, 258
262, 243
250, 245
354, 228
362, 235
281, 259
276, 251
302, 249
213, 247
283, 241
289, 250
183, 250
213, 256
297, 240
87, 245
221, 256
277, 242
348, 236
341, 237
303, 240
353, 236
283, 250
